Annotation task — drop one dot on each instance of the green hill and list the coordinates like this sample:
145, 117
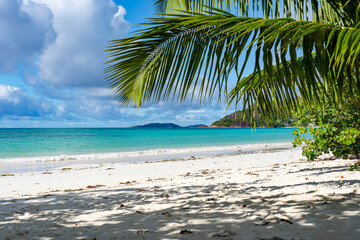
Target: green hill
236, 120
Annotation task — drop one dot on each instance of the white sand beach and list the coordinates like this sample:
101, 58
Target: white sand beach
273, 194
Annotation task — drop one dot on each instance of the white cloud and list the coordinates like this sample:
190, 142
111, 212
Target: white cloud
82, 28
9, 93
66, 38
120, 25
98, 92
196, 111
14, 102
25, 31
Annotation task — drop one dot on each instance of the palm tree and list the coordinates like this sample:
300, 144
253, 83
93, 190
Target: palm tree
298, 51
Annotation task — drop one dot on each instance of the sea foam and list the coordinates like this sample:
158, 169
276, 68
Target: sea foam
170, 152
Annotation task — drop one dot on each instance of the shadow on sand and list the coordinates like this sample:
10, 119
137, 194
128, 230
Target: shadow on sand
212, 211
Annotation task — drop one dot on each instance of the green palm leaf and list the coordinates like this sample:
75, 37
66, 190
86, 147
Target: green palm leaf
334, 11
194, 52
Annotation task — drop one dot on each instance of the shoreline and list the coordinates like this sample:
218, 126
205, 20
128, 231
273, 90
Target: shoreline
120, 154
23, 164
67, 144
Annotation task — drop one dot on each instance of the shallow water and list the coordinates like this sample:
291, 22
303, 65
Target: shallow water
19, 145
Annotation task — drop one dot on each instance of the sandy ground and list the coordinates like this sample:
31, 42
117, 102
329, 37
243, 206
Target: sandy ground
267, 195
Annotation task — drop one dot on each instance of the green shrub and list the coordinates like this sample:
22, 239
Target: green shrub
226, 122
335, 131
355, 166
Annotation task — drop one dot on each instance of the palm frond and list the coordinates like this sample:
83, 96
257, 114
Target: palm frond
278, 94
265, 8
196, 49
181, 53
170, 6
330, 11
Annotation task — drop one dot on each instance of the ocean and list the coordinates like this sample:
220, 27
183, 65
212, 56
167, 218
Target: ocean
52, 144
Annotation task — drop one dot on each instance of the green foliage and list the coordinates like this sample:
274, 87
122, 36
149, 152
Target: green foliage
225, 122
355, 166
336, 131
243, 119
293, 49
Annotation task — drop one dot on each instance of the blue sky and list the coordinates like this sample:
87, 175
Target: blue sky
51, 71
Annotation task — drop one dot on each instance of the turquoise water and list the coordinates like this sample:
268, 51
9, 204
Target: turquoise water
19, 143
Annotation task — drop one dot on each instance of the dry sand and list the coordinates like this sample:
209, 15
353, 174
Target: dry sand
268, 195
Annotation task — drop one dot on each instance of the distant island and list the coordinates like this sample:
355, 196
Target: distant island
197, 126
233, 120
167, 125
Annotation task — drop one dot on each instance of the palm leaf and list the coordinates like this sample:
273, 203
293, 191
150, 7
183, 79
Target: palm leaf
195, 53
334, 11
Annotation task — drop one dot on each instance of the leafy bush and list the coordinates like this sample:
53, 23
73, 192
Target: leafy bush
329, 130
355, 166
226, 122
